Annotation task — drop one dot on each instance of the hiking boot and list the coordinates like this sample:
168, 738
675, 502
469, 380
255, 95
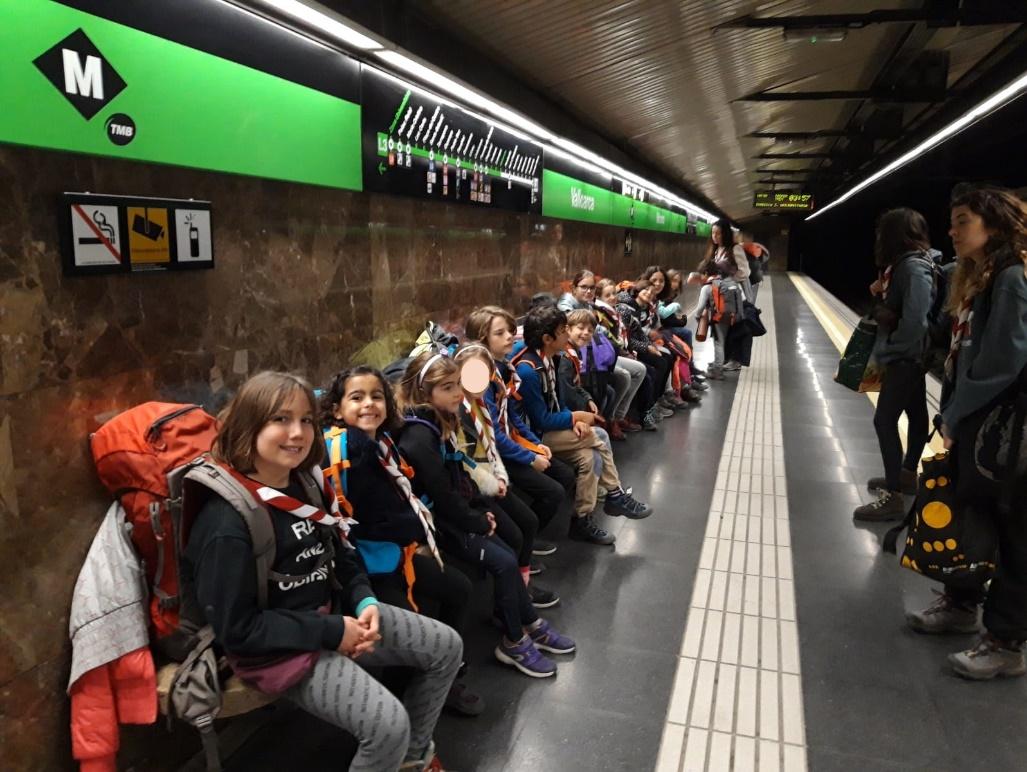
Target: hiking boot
732, 366
547, 639
629, 426
945, 615
699, 386
907, 483
536, 568
463, 701
585, 529
525, 657
542, 547
625, 504
689, 394
989, 658
889, 506
715, 373
541, 597
616, 432
663, 412
650, 422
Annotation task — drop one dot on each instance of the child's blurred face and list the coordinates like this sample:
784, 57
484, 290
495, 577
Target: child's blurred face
579, 334
609, 294
447, 395
501, 338
646, 296
363, 404
657, 281
675, 283
285, 440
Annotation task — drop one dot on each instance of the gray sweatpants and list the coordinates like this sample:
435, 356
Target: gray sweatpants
338, 690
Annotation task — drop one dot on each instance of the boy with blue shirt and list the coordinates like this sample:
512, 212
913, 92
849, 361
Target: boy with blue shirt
569, 434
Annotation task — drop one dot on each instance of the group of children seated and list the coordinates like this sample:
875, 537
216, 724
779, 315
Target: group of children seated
445, 476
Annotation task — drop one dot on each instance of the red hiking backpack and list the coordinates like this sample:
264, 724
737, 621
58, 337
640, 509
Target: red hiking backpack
142, 456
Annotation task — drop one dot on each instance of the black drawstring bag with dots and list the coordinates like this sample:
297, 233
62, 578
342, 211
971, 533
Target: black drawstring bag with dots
948, 540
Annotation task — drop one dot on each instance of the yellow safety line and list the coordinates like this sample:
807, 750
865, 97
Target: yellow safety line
839, 332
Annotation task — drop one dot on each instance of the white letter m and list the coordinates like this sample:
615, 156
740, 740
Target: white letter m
88, 80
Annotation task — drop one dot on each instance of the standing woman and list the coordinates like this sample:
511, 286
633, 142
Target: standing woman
728, 256
906, 289
988, 299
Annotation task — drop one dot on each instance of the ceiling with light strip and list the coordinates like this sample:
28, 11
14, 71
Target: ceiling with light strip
656, 77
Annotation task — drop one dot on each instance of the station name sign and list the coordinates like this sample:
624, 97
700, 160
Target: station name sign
772, 199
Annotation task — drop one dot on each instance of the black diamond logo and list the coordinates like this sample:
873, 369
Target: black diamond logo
79, 71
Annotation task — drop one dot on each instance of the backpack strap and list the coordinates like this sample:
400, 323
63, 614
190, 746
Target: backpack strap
258, 520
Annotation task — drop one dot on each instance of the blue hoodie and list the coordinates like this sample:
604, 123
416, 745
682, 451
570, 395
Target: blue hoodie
533, 405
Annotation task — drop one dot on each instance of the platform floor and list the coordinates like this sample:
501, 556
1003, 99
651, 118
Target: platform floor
749, 624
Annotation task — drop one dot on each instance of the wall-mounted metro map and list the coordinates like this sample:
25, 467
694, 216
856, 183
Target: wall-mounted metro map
417, 145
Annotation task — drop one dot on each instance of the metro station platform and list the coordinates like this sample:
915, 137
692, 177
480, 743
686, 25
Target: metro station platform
749, 624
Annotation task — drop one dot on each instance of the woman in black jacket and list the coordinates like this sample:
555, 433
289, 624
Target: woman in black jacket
321, 621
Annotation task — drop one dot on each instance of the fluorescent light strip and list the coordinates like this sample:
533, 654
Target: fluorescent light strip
325, 23
993, 102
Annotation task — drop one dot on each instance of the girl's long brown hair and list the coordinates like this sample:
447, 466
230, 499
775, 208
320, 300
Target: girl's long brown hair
253, 406
1004, 214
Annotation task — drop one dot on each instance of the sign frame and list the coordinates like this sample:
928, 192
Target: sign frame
72, 205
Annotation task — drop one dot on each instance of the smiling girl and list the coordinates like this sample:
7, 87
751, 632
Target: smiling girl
394, 532
321, 621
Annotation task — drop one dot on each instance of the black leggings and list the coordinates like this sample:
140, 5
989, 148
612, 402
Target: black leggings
658, 368
546, 494
518, 529
442, 594
903, 390
497, 556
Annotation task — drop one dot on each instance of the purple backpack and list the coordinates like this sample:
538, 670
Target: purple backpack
599, 355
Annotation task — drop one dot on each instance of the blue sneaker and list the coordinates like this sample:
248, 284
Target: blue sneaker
547, 639
525, 657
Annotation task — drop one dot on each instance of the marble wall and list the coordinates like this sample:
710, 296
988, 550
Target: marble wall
306, 278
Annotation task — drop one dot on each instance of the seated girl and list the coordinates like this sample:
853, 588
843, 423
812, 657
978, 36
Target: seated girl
476, 433
471, 527
321, 622
394, 533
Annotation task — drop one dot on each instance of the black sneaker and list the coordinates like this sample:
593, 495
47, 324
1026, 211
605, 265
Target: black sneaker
622, 503
585, 529
889, 506
541, 547
541, 597
536, 568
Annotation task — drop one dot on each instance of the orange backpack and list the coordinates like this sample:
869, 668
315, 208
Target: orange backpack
142, 456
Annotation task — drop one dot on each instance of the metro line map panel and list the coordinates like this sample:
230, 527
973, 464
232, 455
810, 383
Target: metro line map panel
416, 145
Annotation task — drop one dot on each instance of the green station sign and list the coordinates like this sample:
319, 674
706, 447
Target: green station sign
569, 198
80, 83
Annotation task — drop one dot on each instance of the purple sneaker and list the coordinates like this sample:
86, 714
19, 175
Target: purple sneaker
525, 657
547, 639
